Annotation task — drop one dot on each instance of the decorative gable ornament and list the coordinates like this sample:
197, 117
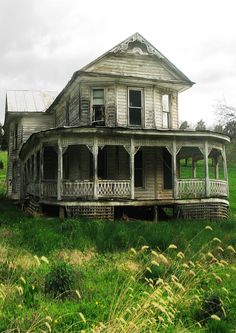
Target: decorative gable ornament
136, 44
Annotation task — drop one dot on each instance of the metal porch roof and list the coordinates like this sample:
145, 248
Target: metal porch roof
29, 100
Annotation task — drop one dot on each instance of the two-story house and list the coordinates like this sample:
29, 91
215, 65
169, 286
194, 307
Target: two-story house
110, 143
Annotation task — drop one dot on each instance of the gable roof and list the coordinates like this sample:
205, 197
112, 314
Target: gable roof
122, 48
29, 100
148, 49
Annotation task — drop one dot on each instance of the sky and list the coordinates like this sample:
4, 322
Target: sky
44, 41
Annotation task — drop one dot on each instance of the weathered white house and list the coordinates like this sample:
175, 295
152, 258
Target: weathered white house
110, 141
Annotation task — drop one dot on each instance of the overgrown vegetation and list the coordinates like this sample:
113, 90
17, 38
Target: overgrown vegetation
95, 276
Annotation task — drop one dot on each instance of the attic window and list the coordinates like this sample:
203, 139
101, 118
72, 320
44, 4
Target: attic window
135, 107
166, 111
98, 116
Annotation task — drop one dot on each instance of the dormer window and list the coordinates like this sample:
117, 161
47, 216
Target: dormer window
135, 107
166, 111
98, 107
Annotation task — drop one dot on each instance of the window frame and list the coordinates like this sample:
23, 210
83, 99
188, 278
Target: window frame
166, 111
142, 110
103, 120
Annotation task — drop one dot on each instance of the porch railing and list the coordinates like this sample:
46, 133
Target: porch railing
196, 188
114, 188
77, 189
49, 188
218, 187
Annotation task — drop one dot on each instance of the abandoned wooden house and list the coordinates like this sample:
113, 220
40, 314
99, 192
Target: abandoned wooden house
109, 143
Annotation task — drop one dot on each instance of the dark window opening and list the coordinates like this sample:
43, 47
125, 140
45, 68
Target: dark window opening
138, 169
66, 163
167, 169
50, 163
91, 174
98, 107
102, 163
135, 107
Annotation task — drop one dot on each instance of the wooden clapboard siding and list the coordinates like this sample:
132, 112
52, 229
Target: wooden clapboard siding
35, 123
157, 108
174, 111
110, 106
137, 66
85, 105
122, 106
74, 107
149, 107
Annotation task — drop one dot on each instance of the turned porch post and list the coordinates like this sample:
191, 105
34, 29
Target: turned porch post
95, 169
207, 184
132, 154
216, 167
174, 170
194, 169
59, 169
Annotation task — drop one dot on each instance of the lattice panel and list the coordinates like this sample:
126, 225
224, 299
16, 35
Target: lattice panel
202, 211
98, 212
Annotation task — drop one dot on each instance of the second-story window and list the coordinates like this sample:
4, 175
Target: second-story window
166, 111
98, 116
135, 107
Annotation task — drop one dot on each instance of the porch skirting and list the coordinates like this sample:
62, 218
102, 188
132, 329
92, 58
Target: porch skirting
198, 209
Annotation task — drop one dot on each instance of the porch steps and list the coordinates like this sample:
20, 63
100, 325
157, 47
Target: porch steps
204, 211
31, 206
96, 212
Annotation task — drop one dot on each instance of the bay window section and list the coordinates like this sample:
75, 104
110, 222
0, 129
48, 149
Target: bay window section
135, 107
98, 107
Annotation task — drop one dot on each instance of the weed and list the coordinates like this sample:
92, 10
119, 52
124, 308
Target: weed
60, 281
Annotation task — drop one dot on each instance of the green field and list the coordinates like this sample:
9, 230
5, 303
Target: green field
99, 276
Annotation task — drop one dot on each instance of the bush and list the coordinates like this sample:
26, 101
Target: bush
60, 280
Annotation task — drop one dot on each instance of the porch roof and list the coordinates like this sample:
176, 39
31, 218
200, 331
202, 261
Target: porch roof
140, 134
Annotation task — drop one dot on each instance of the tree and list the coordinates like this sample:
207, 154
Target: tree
225, 113
184, 125
201, 126
218, 128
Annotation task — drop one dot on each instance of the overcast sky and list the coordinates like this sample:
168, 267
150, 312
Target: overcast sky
44, 41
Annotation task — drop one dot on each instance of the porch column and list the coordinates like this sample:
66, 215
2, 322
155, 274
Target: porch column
174, 170
132, 154
95, 169
207, 187
216, 167
194, 169
59, 169
41, 171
